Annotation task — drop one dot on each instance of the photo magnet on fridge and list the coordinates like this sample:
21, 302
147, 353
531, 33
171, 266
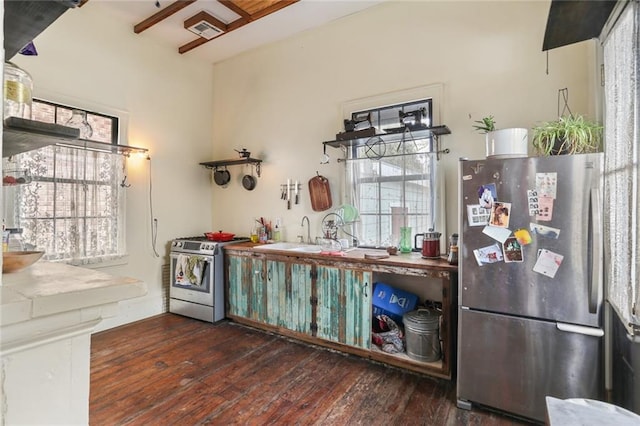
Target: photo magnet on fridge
487, 194
476, 215
488, 255
500, 214
512, 250
544, 231
532, 201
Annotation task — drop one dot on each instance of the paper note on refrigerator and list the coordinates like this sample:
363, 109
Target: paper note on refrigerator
545, 209
546, 184
548, 263
497, 233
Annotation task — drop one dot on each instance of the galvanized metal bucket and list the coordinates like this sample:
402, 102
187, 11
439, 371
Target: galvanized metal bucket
422, 334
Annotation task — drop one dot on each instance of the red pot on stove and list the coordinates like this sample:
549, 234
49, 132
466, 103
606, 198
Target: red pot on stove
219, 236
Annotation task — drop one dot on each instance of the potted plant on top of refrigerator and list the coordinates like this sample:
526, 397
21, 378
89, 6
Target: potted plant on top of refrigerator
502, 143
571, 134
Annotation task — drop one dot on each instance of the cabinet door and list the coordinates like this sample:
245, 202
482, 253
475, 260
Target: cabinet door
289, 295
344, 306
247, 295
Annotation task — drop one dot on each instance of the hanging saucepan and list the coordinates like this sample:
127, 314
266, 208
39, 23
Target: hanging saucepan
248, 182
221, 177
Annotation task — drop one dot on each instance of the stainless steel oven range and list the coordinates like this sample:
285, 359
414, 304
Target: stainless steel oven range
197, 278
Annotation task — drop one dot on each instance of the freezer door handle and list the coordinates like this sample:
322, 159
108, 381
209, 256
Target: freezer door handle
580, 329
595, 278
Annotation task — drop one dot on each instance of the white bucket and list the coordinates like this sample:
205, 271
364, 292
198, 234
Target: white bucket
507, 143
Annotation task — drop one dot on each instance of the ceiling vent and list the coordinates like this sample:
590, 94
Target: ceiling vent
205, 25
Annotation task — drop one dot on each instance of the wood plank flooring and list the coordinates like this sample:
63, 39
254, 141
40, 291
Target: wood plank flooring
172, 370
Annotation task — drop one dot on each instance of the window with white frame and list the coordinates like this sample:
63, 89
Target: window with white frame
394, 184
73, 204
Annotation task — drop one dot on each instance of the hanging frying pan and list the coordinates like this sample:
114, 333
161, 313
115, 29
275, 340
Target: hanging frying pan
221, 177
248, 182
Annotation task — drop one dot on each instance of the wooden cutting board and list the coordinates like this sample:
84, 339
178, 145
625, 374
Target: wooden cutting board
320, 193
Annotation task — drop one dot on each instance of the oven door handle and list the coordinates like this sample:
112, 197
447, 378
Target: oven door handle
207, 259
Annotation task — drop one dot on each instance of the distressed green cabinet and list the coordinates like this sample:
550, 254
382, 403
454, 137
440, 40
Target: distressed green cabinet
326, 300
321, 301
289, 295
246, 295
343, 311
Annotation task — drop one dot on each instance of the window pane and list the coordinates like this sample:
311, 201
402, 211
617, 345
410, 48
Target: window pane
104, 127
394, 185
73, 208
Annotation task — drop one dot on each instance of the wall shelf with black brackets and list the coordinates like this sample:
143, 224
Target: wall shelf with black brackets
394, 136
238, 161
22, 135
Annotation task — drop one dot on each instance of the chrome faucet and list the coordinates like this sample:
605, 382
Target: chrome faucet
308, 228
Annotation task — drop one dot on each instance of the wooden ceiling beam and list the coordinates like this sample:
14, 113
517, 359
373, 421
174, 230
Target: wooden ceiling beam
238, 22
161, 15
273, 8
229, 4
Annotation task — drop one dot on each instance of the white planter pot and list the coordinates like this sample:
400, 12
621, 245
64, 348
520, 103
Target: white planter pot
507, 143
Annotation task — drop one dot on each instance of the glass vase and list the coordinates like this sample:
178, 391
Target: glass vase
79, 121
18, 86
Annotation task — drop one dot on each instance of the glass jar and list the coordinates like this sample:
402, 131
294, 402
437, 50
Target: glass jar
79, 121
18, 87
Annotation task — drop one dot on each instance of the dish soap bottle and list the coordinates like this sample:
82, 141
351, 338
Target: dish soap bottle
277, 231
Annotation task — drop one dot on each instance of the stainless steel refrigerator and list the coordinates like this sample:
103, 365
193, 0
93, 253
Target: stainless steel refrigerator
530, 282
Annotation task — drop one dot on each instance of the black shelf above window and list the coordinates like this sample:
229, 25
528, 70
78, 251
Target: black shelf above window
397, 135
22, 135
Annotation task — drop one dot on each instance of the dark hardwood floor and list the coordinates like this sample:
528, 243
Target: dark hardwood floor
172, 370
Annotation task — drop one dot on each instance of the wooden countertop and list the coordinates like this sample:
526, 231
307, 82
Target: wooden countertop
412, 260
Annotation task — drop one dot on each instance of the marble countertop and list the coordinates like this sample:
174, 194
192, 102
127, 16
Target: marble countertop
48, 288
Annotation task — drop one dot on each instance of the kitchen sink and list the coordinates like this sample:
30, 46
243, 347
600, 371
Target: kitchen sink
286, 246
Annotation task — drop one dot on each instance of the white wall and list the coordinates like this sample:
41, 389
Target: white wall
96, 60
283, 100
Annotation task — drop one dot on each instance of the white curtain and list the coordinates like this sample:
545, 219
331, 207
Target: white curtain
622, 190
401, 189
74, 207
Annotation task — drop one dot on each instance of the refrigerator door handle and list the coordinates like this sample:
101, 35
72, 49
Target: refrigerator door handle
595, 278
580, 329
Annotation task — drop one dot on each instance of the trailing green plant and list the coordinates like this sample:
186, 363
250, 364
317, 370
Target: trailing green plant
572, 134
486, 125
